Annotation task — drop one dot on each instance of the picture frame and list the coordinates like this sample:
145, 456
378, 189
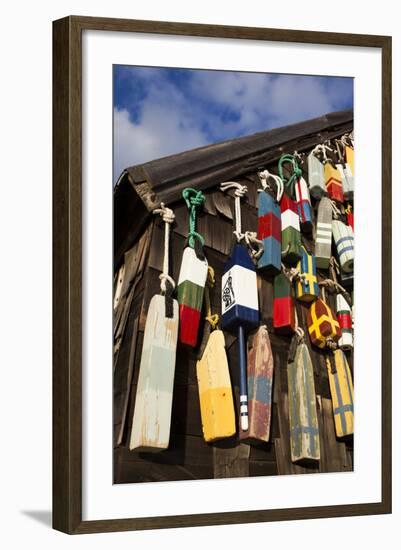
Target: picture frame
67, 274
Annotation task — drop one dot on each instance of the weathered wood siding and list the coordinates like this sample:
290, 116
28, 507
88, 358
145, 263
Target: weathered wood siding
188, 456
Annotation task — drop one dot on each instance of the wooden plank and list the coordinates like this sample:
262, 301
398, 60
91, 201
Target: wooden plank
152, 413
231, 461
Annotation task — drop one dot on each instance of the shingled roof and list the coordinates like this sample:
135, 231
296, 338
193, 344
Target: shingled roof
142, 187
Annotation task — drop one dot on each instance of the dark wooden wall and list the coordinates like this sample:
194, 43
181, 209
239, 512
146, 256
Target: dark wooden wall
188, 456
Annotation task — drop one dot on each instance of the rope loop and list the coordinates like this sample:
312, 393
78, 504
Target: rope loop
254, 244
213, 320
240, 191
194, 200
167, 284
264, 175
296, 172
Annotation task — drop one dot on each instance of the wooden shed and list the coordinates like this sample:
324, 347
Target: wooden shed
138, 243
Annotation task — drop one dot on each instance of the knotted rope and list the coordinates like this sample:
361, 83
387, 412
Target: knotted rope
264, 176
212, 319
167, 284
296, 173
194, 200
240, 191
254, 244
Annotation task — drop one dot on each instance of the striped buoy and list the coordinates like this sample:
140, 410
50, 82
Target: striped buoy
333, 182
323, 326
304, 205
347, 180
344, 240
323, 233
304, 427
290, 231
193, 273
306, 288
269, 224
345, 322
283, 305
317, 186
239, 298
342, 393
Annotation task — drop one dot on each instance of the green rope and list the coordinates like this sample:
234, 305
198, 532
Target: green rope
296, 173
194, 199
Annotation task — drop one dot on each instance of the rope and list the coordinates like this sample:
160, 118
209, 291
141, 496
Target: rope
292, 273
264, 175
254, 244
211, 319
168, 217
296, 172
336, 210
240, 191
194, 200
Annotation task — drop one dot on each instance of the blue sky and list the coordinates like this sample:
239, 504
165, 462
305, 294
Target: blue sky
161, 111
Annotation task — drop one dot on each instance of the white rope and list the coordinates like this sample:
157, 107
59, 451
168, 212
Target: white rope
336, 210
168, 217
264, 175
240, 191
251, 241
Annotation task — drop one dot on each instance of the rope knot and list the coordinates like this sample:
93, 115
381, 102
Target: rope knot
166, 214
240, 191
194, 199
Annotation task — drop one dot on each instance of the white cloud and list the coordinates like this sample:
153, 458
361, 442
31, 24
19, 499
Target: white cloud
174, 119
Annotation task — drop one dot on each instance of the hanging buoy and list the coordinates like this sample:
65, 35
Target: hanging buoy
193, 273
290, 231
283, 305
347, 178
349, 157
304, 427
323, 233
333, 182
345, 322
294, 214
323, 327
344, 240
239, 297
154, 395
342, 393
306, 288
269, 224
303, 204
316, 175
214, 384
350, 216
260, 382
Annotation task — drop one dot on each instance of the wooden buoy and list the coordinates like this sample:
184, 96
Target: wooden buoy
345, 322
304, 428
239, 297
350, 216
316, 180
260, 382
214, 384
304, 205
333, 183
193, 273
306, 288
283, 305
323, 326
323, 233
290, 231
344, 241
347, 178
269, 224
154, 395
349, 157
215, 392
342, 393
